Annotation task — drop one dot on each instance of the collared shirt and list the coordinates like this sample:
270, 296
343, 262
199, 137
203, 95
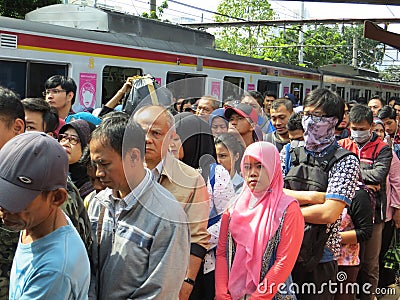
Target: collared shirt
126, 203
157, 170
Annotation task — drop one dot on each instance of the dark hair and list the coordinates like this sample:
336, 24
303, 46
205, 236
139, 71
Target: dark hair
10, 107
387, 112
111, 132
256, 95
67, 84
294, 122
230, 141
282, 101
188, 100
49, 114
360, 113
330, 102
395, 98
116, 114
377, 97
269, 94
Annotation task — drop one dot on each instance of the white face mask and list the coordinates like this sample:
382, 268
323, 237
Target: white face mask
360, 136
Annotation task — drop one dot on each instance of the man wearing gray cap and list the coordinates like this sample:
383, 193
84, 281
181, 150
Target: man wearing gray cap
51, 261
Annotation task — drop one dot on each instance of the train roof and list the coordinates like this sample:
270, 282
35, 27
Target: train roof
149, 35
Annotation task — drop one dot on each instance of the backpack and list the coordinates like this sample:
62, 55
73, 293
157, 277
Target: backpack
145, 91
309, 173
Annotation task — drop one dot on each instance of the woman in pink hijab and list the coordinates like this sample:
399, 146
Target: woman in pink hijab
261, 233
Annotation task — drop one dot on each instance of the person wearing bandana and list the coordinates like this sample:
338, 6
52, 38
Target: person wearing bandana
375, 159
323, 111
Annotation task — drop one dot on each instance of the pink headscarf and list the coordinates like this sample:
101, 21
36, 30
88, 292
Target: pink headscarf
252, 228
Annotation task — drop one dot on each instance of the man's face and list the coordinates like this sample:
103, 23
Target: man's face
58, 98
267, 103
109, 165
158, 137
296, 135
240, 124
345, 122
361, 126
253, 103
8, 131
34, 121
397, 109
375, 105
204, 108
279, 118
32, 216
390, 126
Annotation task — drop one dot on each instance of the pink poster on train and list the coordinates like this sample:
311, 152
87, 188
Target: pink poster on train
87, 90
285, 90
216, 89
251, 87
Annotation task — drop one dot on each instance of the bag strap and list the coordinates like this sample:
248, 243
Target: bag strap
100, 224
153, 95
212, 175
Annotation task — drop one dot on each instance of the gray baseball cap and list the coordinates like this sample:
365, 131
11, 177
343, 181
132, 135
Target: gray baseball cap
30, 163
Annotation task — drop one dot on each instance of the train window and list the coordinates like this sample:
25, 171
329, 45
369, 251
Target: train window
232, 88
39, 73
271, 87
368, 94
185, 85
114, 78
13, 75
354, 94
297, 90
340, 91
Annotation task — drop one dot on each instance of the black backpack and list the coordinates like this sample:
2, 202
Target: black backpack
309, 173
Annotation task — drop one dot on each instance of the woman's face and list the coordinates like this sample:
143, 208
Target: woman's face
255, 175
379, 130
67, 141
175, 147
226, 158
218, 126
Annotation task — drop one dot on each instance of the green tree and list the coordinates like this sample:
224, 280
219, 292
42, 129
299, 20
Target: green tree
243, 41
18, 8
391, 73
153, 14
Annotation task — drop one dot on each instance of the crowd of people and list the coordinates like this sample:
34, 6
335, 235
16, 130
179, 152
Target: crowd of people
253, 198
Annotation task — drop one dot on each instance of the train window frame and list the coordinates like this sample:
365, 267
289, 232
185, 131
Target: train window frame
354, 94
118, 78
232, 88
272, 87
183, 87
368, 94
341, 90
300, 95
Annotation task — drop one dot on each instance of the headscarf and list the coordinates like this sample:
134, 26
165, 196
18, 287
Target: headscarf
84, 116
318, 135
252, 228
197, 142
219, 112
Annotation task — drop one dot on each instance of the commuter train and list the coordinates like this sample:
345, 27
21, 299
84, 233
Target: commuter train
100, 58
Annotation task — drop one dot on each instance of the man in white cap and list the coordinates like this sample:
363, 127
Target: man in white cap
51, 260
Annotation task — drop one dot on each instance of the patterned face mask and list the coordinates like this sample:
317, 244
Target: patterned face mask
319, 132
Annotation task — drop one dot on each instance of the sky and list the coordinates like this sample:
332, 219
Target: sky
180, 12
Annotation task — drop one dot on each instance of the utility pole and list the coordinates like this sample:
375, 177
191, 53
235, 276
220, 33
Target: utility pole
153, 6
301, 36
355, 50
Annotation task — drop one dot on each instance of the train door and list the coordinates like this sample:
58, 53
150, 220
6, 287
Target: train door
114, 78
232, 88
271, 87
186, 85
368, 94
340, 91
28, 78
297, 90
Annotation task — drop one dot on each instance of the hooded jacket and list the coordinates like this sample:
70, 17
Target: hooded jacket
375, 159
